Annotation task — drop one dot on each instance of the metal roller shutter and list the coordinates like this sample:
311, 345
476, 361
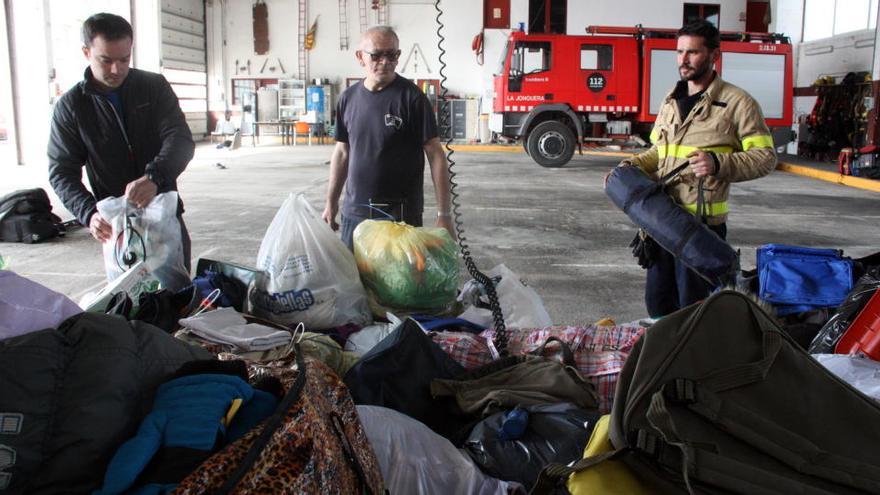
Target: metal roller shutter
184, 59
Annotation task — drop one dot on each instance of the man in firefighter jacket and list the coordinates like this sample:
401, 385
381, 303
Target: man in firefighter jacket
719, 129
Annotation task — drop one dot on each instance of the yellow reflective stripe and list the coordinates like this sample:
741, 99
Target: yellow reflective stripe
654, 135
714, 209
679, 151
759, 141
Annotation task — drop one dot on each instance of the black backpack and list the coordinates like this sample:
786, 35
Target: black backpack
26, 216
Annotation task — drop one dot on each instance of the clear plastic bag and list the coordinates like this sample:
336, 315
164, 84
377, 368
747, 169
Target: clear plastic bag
521, 305
150, 234
833, 329
309, 275
407, 268
415, 460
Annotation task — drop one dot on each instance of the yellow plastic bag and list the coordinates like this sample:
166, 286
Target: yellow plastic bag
609, 477
406, 267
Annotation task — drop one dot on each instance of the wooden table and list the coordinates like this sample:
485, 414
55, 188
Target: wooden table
286, 128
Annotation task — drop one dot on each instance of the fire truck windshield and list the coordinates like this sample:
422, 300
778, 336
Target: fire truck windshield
530, 57
504, 54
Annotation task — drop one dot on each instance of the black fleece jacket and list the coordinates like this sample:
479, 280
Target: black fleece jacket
152, 137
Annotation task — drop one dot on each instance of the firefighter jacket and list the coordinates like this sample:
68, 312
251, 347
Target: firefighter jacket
726, 122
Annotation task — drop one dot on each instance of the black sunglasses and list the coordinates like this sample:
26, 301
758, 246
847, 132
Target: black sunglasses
390, 55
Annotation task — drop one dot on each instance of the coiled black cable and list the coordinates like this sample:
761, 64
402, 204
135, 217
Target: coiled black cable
500, 339
129, 236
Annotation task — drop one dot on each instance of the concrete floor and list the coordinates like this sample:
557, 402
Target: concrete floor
553, 227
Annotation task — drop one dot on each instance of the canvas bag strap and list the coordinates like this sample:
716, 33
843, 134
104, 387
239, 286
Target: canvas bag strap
718, 470
661, 183
745, 374
701, 397
567, 355
272, 425
666, 179
703, 465
783, 444
683, 391
554, 473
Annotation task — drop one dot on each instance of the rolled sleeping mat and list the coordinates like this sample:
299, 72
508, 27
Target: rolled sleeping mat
678, 231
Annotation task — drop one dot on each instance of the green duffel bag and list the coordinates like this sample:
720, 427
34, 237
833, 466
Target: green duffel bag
716, 398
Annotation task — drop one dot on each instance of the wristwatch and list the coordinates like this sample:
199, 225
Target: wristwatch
154, 178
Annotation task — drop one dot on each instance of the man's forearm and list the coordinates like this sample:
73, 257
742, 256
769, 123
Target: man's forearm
338, 174
73, 194
177, 147
439, 176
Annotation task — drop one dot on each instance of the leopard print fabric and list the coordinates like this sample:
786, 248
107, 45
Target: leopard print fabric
307, 454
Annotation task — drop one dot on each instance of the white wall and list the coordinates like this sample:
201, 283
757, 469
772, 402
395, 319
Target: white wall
147, 35
787, 17
415, 24
655, 14
32, 77
851, 52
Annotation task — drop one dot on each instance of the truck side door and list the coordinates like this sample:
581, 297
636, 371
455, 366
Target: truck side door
529, 80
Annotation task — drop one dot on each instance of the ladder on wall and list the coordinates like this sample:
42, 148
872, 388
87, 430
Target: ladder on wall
343, 24
382, 12
301, 38
362, 14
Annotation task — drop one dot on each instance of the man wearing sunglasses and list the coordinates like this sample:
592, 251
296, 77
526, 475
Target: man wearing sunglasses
384, 129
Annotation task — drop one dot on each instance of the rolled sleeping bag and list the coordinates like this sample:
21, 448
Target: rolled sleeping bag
678, 231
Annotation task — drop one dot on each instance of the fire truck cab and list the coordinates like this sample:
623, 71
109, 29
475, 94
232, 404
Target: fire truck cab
555, 91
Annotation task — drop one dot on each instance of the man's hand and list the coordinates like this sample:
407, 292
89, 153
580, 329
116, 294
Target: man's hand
140, 192
702, 163
446, 223
329, 214
99, 228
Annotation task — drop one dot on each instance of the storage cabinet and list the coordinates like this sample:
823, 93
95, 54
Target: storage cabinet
291, 98
463, 116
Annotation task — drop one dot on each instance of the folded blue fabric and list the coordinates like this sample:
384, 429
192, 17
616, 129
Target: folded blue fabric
188, 415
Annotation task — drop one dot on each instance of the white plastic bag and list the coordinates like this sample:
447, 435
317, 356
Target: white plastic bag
522, 306
366, 338
415, 460
860, 372
135, 281
309, 275
150, 234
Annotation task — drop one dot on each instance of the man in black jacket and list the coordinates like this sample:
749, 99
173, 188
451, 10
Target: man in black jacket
124, 125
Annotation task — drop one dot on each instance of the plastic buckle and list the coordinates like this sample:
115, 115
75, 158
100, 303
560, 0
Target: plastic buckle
648, 443
681, 391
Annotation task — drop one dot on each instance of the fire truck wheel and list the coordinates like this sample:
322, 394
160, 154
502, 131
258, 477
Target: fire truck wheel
551, 144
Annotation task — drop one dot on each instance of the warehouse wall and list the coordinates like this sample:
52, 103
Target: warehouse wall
656, 14
414, 22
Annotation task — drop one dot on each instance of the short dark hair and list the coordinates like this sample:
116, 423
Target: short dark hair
109, 26
704, 29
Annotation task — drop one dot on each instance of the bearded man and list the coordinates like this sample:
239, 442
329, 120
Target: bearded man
720, 131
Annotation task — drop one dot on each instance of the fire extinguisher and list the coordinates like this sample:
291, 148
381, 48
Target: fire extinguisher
477, 47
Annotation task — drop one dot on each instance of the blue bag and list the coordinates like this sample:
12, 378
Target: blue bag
677, 230
796, 279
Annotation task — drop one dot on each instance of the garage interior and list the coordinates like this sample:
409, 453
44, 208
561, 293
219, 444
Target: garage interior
272, 64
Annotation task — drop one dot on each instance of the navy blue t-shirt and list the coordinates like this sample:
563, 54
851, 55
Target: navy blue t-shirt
386, 132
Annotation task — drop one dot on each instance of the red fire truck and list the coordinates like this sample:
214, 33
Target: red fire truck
554, 91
